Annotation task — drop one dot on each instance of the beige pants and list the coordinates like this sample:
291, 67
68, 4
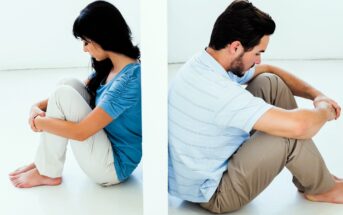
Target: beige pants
94, 155
255, 164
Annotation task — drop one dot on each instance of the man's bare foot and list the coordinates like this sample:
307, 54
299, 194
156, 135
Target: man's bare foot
337, 178
335, 195
23, 169
32, 178
334, 177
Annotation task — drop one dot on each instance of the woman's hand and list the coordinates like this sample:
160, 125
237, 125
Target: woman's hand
35, 111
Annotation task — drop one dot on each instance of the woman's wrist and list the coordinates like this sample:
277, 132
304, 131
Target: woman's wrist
36, 121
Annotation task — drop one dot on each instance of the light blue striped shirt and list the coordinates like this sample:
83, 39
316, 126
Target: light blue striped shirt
210, 116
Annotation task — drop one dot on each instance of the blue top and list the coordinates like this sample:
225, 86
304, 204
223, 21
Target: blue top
210, 116
121, 99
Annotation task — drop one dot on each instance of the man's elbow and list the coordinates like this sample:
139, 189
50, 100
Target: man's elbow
302, 130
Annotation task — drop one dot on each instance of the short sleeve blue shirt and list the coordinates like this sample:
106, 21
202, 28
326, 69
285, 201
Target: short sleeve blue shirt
121, 99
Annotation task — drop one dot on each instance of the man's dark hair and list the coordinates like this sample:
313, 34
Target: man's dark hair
243, 22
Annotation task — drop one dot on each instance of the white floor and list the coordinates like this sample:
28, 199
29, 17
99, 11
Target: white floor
281, 197
79, 195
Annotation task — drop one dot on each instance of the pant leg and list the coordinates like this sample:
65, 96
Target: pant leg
94, 155
252, 168
77, 85
273, 90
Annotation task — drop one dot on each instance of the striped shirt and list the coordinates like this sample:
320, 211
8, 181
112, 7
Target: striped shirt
210, 116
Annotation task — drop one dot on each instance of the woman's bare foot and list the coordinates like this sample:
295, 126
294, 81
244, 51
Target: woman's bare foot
32, 178
335, 195
22, 169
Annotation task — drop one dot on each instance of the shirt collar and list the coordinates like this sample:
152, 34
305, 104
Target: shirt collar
207, 59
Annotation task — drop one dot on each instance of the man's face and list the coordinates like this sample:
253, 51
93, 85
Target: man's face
247, 60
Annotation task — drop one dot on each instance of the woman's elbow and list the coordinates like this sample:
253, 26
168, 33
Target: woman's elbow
80, 136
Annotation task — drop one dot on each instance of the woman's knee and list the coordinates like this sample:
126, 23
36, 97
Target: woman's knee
64, 94
64, 101
76, 85
73, 82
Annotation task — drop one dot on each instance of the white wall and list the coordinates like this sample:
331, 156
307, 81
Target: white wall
38, 33
307, 29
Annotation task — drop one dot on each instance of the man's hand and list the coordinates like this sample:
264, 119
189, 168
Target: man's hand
34, 112
335, 106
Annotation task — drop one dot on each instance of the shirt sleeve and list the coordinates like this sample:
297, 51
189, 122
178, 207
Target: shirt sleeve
241, 111
245, 78
123, 93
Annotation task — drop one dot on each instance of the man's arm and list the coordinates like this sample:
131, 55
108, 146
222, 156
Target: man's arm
91, 124
297, 123
297, 86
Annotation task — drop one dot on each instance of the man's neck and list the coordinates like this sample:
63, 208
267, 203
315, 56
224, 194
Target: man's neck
220, 56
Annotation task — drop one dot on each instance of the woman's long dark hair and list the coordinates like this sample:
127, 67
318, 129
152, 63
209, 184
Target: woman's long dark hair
102, 23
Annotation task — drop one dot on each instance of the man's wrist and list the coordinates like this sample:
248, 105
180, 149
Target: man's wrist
316, 95
328, 108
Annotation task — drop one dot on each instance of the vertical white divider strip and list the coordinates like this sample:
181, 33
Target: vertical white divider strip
154, 46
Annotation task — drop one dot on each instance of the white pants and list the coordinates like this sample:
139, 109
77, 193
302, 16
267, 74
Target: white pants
70, 102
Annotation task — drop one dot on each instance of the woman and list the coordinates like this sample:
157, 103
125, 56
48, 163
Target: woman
101, 118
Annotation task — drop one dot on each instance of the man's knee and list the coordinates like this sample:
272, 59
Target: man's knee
273, 90
266, 80
272, 148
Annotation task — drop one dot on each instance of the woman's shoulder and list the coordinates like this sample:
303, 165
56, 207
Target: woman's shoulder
134, 68
132, 71
130, 75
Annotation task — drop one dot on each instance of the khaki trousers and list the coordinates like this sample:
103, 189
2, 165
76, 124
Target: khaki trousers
256, 163
94, 155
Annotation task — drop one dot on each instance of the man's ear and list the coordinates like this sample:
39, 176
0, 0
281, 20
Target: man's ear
235, 47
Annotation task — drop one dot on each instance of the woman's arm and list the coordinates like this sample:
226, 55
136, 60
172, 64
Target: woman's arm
90, 125
37, 109
42, 104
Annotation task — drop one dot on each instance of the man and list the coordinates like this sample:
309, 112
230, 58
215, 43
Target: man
213, 159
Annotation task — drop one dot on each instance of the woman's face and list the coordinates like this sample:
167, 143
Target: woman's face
94, 50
